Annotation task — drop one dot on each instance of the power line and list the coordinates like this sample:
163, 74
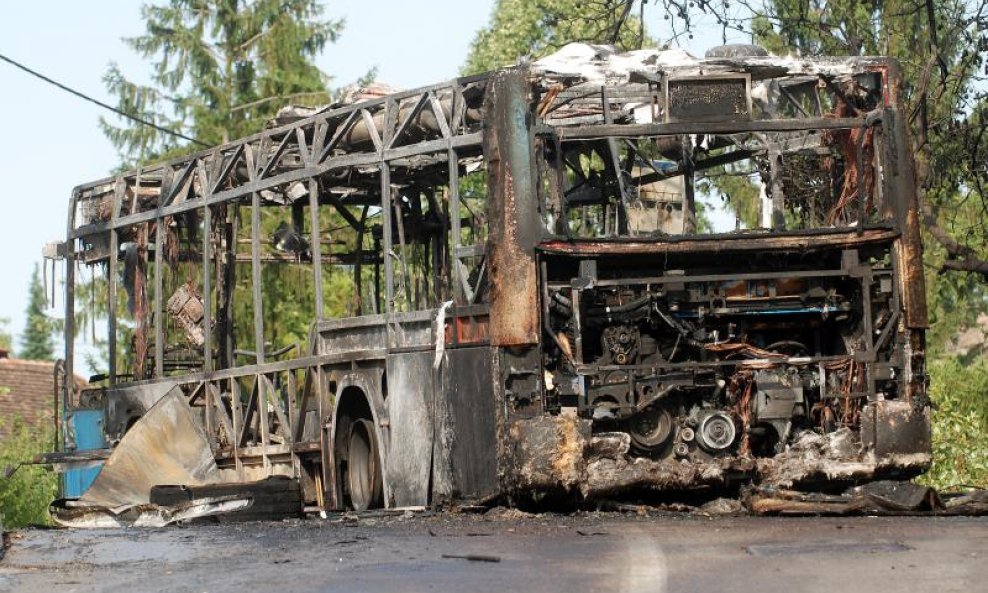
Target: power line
100, 103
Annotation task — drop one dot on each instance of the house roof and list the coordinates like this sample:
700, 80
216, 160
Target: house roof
28, 390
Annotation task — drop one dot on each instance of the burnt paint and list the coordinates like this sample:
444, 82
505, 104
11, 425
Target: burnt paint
513, 203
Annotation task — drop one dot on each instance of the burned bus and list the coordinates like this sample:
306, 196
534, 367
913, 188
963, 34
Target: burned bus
589, 275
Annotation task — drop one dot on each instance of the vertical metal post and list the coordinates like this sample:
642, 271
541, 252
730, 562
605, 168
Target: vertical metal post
689, 182
377, 275
255, 258
262, 414
325, 443
229, 281
111, 289
514, 223
238, 418
389, 290
209, 415
358, 274
778, 199
409, 295
439, 255
621, 227
390, 122
159, 320
578, 345
68, 383
207, 289
294, 413
577, 326
868, 321
557, 186
454, 208
862, 198
316, 244
112, 282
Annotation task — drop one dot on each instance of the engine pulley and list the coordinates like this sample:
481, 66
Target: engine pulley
650, 429
716, 432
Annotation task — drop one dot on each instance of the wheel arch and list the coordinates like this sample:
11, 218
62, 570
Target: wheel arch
359, 394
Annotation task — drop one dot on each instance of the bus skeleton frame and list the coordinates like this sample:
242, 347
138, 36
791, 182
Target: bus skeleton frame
575, 350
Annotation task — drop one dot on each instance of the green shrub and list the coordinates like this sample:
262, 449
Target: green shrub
960, 424
25, 496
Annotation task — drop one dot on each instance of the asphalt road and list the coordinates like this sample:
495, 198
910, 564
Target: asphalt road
586, 552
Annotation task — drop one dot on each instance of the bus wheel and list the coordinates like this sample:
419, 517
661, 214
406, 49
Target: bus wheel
363, 479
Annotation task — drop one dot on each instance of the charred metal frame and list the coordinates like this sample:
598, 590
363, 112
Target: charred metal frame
509, 122
378, 134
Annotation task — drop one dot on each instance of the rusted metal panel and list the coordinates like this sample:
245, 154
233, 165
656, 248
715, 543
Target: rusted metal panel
167, 446
468, 330
466, 429
895, 428
903, 182
708, 98
723, 243
274, 498
514, 225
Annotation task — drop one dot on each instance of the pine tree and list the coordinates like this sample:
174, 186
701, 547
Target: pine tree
220, 69
37, 342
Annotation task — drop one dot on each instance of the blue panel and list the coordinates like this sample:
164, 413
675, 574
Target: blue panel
87, 426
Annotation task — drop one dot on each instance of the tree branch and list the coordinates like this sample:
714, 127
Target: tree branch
959, 257
965, 265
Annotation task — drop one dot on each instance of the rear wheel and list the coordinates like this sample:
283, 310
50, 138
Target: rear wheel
363, 476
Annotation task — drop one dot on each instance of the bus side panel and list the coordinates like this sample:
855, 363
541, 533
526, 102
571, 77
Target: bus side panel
469, 437
411, 415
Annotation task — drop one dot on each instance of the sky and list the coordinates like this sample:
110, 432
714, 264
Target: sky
52, 140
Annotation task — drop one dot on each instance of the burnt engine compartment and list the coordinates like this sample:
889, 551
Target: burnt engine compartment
737, 358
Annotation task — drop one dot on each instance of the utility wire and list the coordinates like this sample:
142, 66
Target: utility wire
100, 103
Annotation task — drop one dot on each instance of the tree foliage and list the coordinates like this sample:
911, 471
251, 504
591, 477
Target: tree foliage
37, 342
6, 339
219, 70
533, 28
960, 423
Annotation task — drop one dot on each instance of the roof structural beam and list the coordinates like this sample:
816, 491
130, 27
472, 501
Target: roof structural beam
361, 159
